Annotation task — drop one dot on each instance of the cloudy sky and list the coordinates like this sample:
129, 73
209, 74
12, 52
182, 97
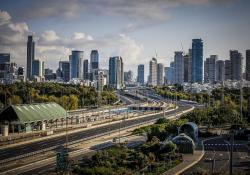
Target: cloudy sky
133, 29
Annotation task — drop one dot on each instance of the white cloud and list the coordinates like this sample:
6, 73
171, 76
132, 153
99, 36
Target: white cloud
140, 12
51, 47
4, 17
49, 36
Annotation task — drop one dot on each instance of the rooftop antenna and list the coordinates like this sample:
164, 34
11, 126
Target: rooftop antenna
155, 54
182, 49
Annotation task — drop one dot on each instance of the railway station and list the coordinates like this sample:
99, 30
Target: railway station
31, 117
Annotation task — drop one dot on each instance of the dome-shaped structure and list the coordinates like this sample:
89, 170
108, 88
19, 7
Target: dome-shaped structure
190, 129
184, 143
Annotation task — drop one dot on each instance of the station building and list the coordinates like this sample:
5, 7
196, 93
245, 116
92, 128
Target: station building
31, 117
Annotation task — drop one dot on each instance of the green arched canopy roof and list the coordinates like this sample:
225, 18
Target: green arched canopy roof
28, 113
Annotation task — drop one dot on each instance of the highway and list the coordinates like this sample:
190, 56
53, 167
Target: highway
216, 158
59, 141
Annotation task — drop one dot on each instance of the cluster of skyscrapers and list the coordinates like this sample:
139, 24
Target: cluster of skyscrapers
189, 68
186, 68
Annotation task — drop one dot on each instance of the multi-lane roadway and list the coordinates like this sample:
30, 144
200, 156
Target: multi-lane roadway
55, 144
217, 158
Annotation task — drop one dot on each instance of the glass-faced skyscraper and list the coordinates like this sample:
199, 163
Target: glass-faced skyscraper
236, 65
140, 76
178, 68
116, 76
152, 78
30, 56
76, 64
197, 60
248, 65
64, 66
94, 63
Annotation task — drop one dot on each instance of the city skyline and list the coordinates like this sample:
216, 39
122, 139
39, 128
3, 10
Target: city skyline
136, 43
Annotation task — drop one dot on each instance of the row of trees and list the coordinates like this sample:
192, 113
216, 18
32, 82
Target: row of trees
68, 95
219, 109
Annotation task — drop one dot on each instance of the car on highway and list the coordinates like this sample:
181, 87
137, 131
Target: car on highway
208, 159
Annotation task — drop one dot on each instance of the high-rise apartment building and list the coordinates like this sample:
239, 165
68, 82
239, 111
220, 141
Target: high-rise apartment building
128, 76
116, 75
210, 69
236, 65
197, 60
169, 74
248, 65
30, 56
178, 68
76, 58
228, 71
64, 67
140, 74
160, 77
190, 66
152, 78
220, 71
186, 59
38, 68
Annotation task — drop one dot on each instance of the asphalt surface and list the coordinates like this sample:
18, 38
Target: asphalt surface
51, 167
216, 158
59, 141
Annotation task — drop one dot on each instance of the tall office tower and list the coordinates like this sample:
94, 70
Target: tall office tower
152, 78
100, 81
197, 60
64, 67
220, 71
236, 65
210, 69
94, 63
186, 59
169, 74
190, 66
76, 64
140, 74
160, 77
178, 68
248, 65
228, 71
86, 69
4, 58
37, 68
70, 66
116, 75
30, 56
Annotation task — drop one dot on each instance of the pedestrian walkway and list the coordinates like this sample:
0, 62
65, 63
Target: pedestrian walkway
188, 161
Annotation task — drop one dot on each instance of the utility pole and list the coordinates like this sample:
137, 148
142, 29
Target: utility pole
231, 152
241, 99
213, 163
